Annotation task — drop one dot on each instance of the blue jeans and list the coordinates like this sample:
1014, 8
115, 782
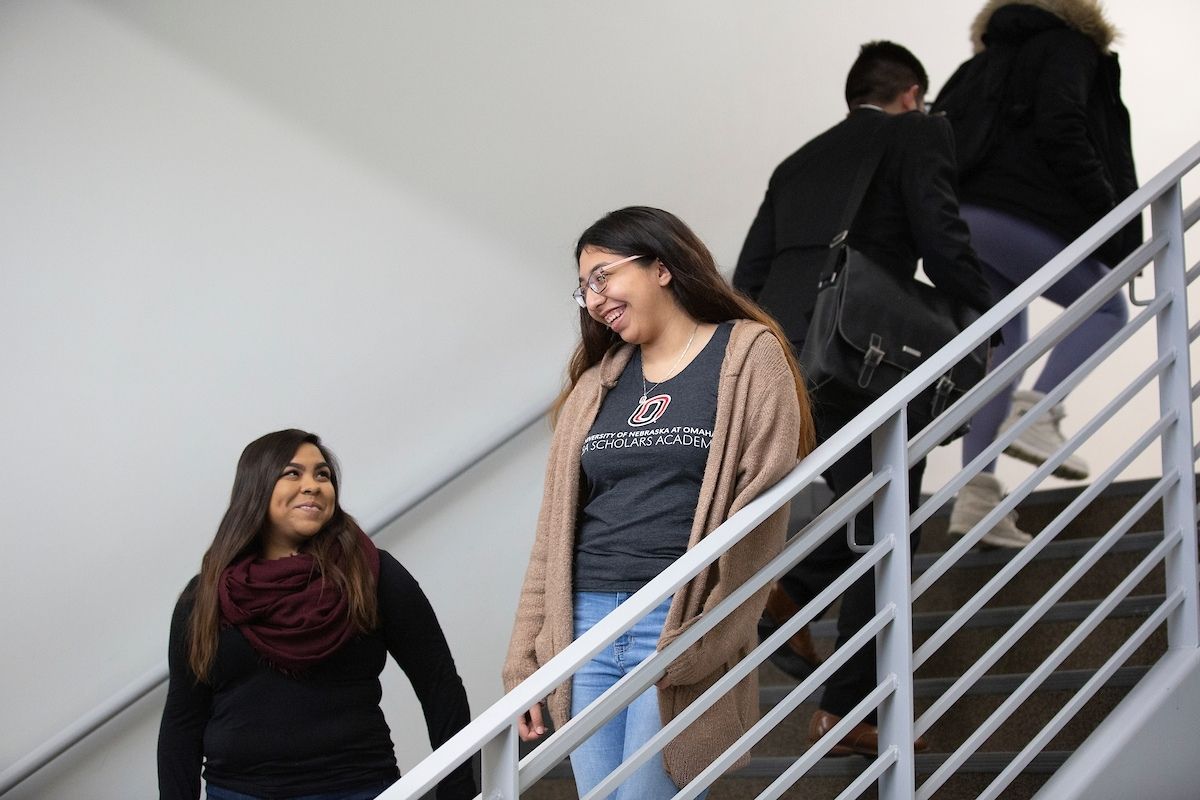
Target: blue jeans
217, 793
621, 736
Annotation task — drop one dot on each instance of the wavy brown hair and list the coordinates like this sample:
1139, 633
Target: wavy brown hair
335, 549
697, 285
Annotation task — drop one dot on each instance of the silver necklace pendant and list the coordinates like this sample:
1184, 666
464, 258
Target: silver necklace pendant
670, 372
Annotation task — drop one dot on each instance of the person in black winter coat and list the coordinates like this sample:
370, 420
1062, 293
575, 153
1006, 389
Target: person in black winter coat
1061, 159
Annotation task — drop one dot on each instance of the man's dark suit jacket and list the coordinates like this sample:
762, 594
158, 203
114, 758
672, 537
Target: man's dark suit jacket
910, 209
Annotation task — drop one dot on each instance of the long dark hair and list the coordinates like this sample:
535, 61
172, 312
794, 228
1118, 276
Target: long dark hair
697, 285
336, 550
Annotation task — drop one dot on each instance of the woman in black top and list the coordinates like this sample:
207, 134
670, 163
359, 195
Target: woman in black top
277, 645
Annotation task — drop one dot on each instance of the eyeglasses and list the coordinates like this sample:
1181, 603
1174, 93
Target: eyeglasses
599, 279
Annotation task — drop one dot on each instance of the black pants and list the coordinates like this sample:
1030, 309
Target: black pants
856, 679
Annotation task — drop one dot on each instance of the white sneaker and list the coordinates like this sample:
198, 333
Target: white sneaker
1041, 439
975, 501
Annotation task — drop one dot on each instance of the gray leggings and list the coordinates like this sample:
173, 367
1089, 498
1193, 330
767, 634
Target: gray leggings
1011, 250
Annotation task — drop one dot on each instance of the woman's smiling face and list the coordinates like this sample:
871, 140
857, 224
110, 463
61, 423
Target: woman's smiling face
634, 301
301, 504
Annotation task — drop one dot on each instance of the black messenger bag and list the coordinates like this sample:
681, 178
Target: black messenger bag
871, 326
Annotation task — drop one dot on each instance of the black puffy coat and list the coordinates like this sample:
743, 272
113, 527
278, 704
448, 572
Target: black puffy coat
1068, 160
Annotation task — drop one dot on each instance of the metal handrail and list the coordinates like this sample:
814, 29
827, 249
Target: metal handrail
494, 730
1064, 649
1027, 553
576, 730
1031, 617
758, 731
497, 723
1082, 696
1003, 440
996, 380
501, 715
1191, 214
826, 743
374, 524
1026, 487
744, 667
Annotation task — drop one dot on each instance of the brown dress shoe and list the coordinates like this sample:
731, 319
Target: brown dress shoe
779, 609
863, 738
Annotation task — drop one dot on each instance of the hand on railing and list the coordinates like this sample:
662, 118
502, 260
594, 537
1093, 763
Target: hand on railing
529, 724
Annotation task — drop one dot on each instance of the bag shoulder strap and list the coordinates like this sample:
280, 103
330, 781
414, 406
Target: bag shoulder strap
858, 191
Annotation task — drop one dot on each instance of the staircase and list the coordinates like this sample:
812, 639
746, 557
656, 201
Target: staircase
780, 749
1048, 667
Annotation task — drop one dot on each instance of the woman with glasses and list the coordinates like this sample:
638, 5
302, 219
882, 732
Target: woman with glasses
682, 404
277, 645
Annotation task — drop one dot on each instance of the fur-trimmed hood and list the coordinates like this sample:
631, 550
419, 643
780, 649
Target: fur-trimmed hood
1085, 16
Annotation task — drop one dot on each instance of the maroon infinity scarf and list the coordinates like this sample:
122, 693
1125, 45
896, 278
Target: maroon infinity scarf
292, 616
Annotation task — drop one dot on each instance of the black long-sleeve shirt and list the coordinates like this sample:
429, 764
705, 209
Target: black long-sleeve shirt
265, 733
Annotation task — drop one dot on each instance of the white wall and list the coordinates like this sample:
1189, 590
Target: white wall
221, 219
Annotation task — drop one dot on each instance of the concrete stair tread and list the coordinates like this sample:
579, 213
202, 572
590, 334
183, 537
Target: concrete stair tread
1062, 680
989, 763
1056, 550
779, 750
928, 621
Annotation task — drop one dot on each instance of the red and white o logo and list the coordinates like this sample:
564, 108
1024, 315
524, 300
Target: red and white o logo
649, 411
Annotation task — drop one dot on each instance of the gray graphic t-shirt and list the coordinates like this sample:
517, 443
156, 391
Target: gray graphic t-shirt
642, 468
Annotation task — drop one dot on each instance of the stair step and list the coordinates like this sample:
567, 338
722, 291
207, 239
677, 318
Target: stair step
1032, 580
779, 750
991, 763
988, 763
1064, 680
968, 645
1073, 611
790, 736
1058, 549
1040, 509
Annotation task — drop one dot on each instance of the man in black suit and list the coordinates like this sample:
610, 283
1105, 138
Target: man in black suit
909, 211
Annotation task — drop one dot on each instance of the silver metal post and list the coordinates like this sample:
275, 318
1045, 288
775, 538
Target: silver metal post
499, 772
1174, 394
889, 448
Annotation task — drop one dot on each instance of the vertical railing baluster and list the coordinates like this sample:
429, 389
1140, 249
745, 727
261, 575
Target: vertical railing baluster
1174, 394
889, 448
498, 774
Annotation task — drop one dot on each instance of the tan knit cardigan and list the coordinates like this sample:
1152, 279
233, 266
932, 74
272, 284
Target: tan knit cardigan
754, 444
